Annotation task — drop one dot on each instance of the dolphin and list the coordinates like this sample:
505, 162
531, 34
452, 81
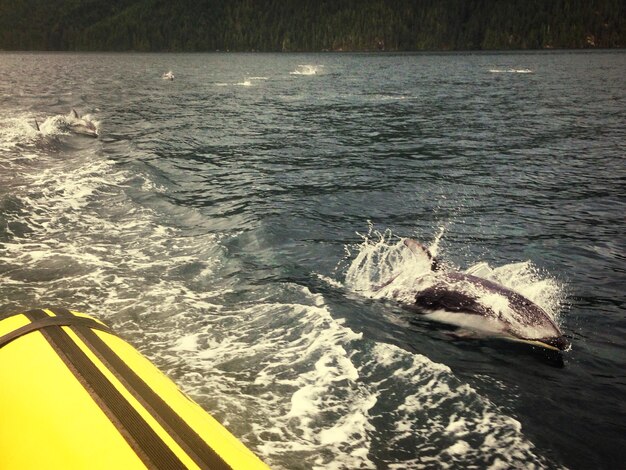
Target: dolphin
80, 125
460, 299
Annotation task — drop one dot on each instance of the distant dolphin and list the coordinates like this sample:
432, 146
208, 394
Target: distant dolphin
80, 125
456, 298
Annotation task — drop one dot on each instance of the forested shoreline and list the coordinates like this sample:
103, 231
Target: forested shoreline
310, 25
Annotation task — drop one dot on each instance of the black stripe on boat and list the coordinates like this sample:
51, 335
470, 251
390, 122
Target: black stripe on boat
148, 446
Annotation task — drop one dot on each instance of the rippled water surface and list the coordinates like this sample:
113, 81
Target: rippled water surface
234, 223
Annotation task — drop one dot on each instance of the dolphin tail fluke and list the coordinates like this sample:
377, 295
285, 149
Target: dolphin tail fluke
74, 113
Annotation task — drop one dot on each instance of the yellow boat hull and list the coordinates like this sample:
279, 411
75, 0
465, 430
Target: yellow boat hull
73, 395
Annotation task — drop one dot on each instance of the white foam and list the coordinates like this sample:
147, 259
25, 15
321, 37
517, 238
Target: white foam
307, 69
384, 268
187, 343
248, 82
330, 281
459, 448
17, 130
386, 97
317, 386
437, 407
510, 70
351, 424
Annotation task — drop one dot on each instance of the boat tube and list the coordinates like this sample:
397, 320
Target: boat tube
75, 395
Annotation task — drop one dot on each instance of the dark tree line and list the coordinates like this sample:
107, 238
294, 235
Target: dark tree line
310, 25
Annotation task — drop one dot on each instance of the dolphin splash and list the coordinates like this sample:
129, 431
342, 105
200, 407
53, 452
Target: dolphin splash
482, 305
71, 123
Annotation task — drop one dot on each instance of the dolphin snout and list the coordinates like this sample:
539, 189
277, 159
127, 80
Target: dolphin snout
559, 342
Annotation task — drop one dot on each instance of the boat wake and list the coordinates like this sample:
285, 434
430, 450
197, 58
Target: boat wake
273, 363
334, 398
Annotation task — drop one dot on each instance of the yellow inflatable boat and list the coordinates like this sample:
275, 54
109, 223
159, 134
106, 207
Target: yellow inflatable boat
73, 395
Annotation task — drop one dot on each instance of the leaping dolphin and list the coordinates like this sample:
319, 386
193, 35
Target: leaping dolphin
459, 299
80, 125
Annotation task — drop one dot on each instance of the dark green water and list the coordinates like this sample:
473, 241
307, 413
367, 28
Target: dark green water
215, 224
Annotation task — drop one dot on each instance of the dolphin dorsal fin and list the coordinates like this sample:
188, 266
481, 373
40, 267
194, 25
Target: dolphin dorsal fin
37, 126
74, 113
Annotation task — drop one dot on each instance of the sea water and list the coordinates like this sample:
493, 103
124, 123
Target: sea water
236, 224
